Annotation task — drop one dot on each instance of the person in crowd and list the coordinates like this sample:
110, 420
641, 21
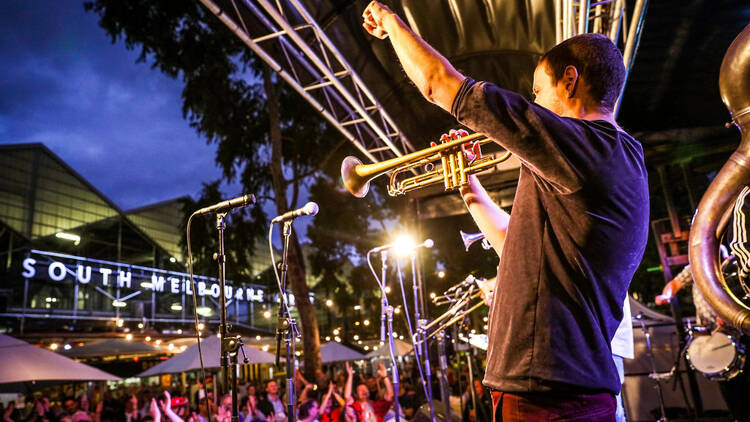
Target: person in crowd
308, 411
370, 410
272, 397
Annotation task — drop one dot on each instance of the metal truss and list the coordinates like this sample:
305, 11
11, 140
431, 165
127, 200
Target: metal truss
608, 17
290, 41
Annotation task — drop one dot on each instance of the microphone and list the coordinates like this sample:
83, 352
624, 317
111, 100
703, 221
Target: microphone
226, 206
428, 243
310, 208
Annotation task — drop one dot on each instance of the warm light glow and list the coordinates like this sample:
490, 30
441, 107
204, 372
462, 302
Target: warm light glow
336, 332
441, 274
69, 236
265, 347
128, 337
298, 353
119, 304
183, 347
356, 337
147, 285
396, 310
367, 348
374, 347
119, 322
403, 245
387, 289
485, 319
400, 337
53, 346
172, 259
201, 326
171, 346
179, 331
267, 314
148, 338
357, 307
257, 338
432, 295
359, 342
158, 342
140, 325
67, 347
366, 322
329, 303
486, 327
356, 322
204, 311
328, 338
337, 339
176, 307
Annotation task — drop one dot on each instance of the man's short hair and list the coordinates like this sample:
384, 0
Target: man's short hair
304, 409
598, 61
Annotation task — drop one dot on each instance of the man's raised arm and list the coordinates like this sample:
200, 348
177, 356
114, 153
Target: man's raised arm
433, 75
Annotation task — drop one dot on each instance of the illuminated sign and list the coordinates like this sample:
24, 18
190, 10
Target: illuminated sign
60, 268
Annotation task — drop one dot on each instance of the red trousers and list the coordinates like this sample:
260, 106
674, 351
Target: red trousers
538, 407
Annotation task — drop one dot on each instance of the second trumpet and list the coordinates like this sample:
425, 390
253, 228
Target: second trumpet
453, 169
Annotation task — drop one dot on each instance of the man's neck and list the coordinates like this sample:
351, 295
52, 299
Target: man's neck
273, 396
580, 111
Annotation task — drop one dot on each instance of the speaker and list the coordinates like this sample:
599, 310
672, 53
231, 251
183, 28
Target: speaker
423, 414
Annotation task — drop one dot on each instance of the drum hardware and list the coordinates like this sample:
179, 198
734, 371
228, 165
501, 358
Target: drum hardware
654, 375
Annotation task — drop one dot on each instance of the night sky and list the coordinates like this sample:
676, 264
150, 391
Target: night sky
117, 122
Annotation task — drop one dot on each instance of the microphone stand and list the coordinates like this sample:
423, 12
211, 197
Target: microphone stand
229, 345
422, 338
287, 327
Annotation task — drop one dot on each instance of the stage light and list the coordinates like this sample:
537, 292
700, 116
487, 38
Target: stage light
128, 337
329, 303
366, 322
76, 239
403, 245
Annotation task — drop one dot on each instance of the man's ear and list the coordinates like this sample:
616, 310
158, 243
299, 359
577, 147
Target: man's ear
571, 78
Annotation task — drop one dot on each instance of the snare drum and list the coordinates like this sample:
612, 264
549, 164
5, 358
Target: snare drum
718, 356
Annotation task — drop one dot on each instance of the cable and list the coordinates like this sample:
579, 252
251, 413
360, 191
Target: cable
195, 317
276, 272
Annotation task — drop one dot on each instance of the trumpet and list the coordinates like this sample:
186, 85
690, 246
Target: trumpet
470, 238
453, 170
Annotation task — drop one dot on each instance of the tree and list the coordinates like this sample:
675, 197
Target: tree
267, 137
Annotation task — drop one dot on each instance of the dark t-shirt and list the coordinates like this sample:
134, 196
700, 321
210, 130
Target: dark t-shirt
577, 233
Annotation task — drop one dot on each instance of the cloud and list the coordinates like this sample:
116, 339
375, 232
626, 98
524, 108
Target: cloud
117, 122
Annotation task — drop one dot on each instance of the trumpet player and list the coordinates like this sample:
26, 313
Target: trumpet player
578, 227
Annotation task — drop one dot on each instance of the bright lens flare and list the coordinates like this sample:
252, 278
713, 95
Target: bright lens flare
404, 245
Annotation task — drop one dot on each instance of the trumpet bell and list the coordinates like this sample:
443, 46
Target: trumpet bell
356, 185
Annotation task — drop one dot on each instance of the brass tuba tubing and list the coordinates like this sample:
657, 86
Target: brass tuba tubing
357, 176
734, 85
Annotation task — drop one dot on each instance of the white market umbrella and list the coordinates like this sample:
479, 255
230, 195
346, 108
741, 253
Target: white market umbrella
337, 352
23, 362
112, 347
211, 349
400, 348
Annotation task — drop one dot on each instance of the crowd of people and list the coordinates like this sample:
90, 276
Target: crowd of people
345, 396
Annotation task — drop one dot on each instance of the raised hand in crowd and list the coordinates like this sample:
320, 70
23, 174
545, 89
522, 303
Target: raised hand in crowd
166, 407
153, 410
9, 411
